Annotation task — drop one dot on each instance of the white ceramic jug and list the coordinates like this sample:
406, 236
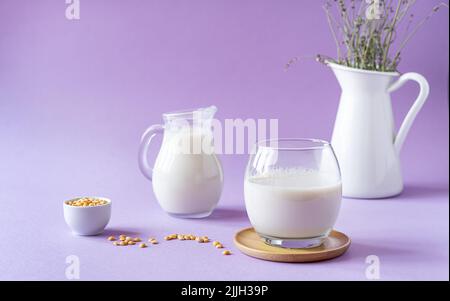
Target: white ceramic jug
187, 177
364, 136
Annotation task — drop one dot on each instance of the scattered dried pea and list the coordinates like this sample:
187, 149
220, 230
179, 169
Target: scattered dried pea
126, 240
111, 238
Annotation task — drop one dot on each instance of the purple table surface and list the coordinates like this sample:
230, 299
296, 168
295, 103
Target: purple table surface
75, 96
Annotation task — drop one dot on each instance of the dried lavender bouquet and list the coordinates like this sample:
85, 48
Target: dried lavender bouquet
367, 32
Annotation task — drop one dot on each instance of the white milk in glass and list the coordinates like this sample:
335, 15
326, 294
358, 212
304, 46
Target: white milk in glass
293, 203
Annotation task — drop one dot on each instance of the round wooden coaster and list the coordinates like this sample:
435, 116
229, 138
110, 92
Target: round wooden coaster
249, 243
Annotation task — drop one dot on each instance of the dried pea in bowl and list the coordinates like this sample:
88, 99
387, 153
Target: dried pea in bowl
87, 215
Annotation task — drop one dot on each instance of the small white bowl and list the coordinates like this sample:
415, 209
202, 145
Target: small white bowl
87, 220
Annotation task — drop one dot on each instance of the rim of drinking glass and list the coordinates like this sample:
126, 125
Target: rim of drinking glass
315, 144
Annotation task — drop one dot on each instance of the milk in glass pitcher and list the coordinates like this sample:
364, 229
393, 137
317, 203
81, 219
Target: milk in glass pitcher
187, 176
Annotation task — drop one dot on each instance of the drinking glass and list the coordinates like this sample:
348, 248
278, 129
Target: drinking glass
293, 191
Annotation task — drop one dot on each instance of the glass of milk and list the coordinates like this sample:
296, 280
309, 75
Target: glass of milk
293, 191
187, 176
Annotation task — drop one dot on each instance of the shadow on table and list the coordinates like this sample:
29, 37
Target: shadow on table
360, 251
228, 214
423, 191
419, 192
122, 230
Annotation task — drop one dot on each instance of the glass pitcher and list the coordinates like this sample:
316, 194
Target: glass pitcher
293, 191
187, 176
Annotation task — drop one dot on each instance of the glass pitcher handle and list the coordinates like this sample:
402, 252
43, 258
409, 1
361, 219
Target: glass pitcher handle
418, 103
147, 137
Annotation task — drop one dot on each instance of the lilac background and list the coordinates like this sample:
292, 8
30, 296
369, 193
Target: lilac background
75, 96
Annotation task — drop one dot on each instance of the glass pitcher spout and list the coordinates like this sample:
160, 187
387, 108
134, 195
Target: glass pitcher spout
206, 113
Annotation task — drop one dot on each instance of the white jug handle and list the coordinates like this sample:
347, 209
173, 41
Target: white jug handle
147, 137
418, 103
